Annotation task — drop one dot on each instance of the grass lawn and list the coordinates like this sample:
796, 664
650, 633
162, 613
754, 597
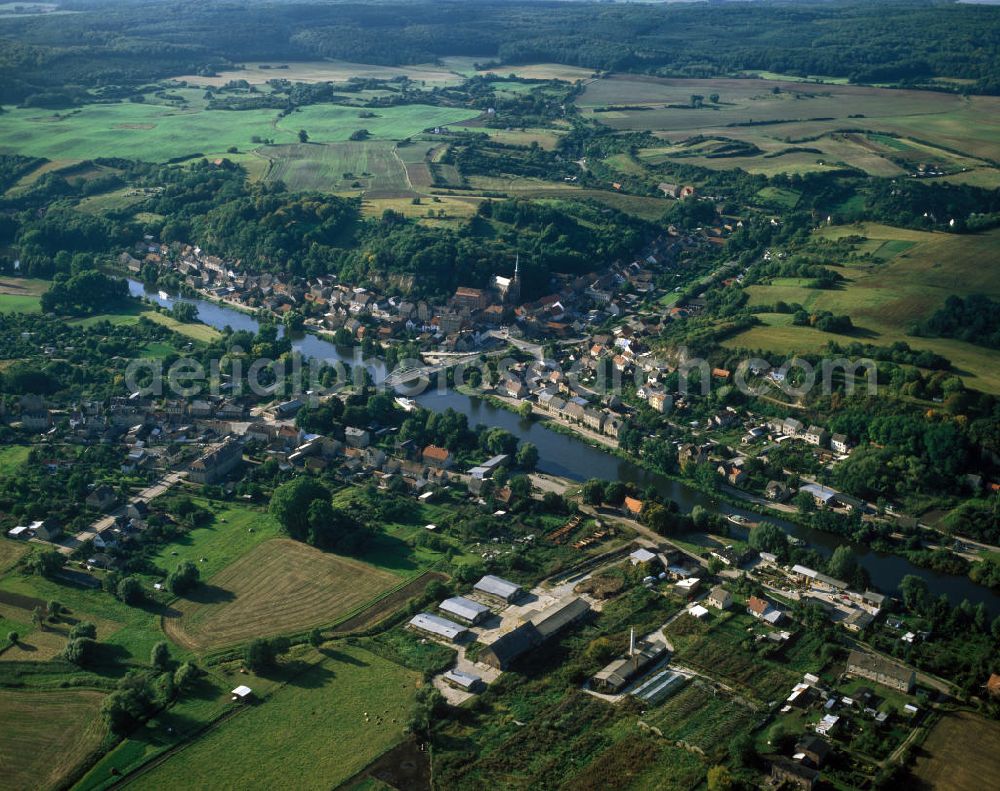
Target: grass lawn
197, 707
12, 457
236, 530
11, 551
783, 198
279, 587
21, 295
313, 732
157, 132
455, 209
128, 633
47, 735
195, 331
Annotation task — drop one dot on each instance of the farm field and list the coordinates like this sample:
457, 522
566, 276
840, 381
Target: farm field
157, 132
337, 167
530, 71
803, 127
47, 735
885, 298
640, 205
454, 209
335, 123
281, 586
310, 733
325, 71
21, 295
960, 753
546, 138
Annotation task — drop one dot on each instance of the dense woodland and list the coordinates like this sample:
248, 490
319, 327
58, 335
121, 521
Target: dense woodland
47, 61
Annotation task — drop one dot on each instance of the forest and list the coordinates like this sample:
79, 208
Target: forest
50, 60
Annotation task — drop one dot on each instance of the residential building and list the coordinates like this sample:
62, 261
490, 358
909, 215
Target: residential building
102, 498
437, 457
720, 598
49, 530
881, 670
216, 464
778, 491
840, 443
793, 773
816, 435
823, 495
357, 437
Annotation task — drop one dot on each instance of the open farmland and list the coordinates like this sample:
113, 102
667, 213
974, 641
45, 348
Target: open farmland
912, 275
960, 753
336, 123
281, 586
794, 127
46, 735
311, 733
157, 132
337, 167
325, 71
528, 71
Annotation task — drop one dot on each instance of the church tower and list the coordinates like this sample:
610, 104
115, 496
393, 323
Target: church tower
514, 294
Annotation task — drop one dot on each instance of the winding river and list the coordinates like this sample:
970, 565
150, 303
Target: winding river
569, 457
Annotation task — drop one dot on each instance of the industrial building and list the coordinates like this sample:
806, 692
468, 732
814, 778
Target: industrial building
436, 626
620, 673
536, 630
467, 682
464, 610
498, 588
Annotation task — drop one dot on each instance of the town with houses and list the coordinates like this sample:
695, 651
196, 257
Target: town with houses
563, 350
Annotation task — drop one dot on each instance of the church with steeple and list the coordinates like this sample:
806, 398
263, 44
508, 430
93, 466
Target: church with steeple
509, 288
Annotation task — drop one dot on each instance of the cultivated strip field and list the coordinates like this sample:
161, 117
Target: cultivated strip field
46, 735
280, 586
790, 127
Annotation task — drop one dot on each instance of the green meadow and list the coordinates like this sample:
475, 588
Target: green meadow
156, 132
343, 710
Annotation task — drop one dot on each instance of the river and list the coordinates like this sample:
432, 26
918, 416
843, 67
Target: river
570, 457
